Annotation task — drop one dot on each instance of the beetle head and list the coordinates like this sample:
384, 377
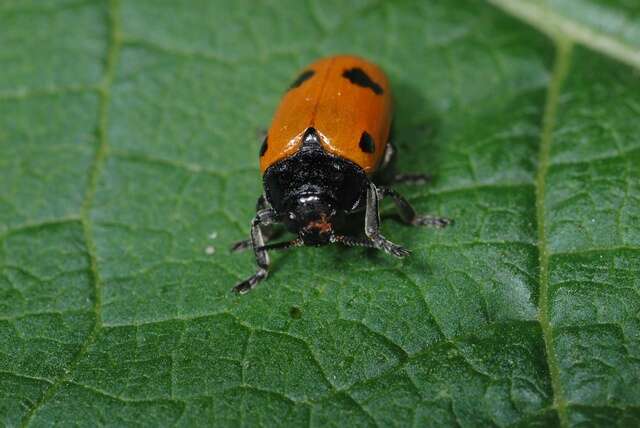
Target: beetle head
313, 216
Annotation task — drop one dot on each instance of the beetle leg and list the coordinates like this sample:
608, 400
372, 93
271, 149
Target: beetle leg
372, 226
263, 217
268, 232
238, 246
408, 213
388, 157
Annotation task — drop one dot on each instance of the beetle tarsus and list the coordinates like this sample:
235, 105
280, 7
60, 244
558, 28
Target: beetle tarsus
382, 243
250, 283
393, 249
239, 246
408, 213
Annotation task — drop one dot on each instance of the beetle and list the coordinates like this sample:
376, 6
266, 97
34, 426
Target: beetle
324, 161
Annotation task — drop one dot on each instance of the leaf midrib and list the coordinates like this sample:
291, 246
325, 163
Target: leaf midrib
560, 70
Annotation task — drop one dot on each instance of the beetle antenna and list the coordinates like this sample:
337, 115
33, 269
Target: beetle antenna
353, 242
282, 245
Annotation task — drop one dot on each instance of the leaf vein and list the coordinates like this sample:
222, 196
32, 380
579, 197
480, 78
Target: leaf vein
552, 24
113, 48
549, 120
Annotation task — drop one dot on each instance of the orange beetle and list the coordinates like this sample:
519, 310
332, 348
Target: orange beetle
323, 160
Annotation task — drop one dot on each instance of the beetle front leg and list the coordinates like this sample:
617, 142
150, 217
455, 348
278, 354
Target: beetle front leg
372, 225
245, 244
268, 233
408, 213
263, 217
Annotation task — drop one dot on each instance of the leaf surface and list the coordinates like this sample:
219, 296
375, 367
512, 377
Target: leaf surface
129, 133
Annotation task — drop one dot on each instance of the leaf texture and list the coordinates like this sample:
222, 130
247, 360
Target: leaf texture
129, 133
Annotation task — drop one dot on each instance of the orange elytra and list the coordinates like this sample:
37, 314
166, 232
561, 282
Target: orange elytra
347, 100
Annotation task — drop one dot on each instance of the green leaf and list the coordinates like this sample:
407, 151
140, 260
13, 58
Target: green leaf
129, 133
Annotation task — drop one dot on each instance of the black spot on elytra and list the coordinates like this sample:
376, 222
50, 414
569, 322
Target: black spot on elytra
304, 76
367, 144
357, 76
265, 146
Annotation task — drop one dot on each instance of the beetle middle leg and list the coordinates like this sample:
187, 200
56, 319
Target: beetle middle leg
263, 217
408, 213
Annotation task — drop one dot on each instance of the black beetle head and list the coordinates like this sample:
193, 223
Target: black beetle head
313, 216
